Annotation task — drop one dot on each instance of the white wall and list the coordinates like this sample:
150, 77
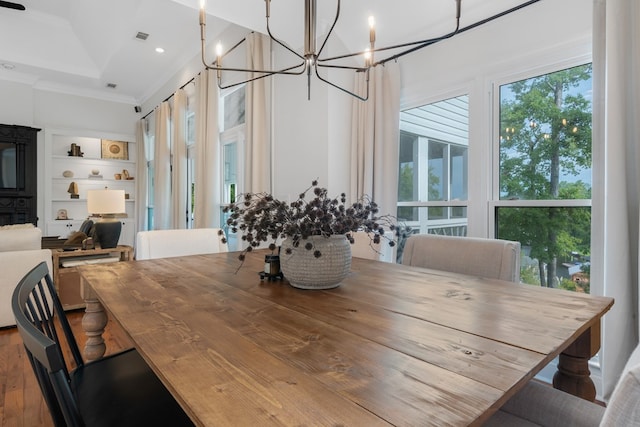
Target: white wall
21, 104
311, 137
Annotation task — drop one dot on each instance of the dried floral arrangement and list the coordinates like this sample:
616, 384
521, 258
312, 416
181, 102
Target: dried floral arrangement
259, 217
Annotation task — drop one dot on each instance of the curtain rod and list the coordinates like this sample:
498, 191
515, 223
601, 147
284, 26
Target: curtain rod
467, 28
170, 96
192, 79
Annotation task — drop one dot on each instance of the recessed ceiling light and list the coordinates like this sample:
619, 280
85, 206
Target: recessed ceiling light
159, 50
8, 66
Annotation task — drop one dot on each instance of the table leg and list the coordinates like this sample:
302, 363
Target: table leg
573, 375
93, 323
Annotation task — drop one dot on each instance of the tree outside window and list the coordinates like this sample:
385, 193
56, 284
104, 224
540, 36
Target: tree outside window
545, 175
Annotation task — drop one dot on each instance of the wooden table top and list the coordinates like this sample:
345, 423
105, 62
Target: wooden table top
391, 345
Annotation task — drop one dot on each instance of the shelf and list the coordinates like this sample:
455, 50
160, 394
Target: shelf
92, 180
81, 200
92, 159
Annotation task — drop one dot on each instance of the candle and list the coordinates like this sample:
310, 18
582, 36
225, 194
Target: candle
372, 31
219, 54
202, 12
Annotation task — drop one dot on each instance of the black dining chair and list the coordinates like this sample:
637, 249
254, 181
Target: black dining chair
117, 390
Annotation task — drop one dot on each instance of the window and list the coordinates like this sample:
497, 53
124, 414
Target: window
191, 153
232, 131
432, 184
544, 183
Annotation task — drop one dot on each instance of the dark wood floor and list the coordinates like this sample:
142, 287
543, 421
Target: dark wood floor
21, 402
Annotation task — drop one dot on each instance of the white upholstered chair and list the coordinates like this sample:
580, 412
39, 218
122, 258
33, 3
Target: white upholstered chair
542, 405
363, 247
490, 258
172, 243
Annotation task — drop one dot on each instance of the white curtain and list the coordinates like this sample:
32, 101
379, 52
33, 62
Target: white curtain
257, 160
375, 138
207, 167
179, 185
616, 133
162, 166
141, 174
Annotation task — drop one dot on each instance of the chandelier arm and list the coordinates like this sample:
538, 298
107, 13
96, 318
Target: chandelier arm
326, 39
343, 67
419, 44
347, 91
271, 72
275, 39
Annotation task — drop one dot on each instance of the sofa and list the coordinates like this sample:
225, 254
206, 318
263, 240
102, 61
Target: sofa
20, 251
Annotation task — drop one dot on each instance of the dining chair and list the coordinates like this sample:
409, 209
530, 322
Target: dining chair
117, 390
490, 258
154, 244
538, 404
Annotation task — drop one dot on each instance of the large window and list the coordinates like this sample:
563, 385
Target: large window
232, 131
433, 181
544, 183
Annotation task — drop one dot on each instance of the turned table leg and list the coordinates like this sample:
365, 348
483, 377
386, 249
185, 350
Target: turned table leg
93, 323
573, 375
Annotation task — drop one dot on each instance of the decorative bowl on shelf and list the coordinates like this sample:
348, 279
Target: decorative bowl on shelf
67, 174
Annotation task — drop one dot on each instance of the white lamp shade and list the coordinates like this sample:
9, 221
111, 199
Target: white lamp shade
103, 202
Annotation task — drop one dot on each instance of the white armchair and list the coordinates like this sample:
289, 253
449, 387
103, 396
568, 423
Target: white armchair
542, 405
173, 243
19, 253
491, 258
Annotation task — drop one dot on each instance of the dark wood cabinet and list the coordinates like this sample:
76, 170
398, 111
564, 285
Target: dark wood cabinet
18, 175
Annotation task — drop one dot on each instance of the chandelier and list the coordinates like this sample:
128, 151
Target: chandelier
311, 60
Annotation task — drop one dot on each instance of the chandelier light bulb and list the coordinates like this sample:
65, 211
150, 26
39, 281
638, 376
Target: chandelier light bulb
367, 57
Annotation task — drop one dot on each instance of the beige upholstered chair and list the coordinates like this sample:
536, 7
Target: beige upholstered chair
542, 405
491, 258
363, 247
172, 243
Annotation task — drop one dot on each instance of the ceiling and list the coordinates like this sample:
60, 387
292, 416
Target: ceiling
80, 46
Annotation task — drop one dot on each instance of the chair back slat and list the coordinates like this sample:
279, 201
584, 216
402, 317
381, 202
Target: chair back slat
35, 305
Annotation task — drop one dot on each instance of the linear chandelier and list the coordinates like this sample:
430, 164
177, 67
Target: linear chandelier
310, 61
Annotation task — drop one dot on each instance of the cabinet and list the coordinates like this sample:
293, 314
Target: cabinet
93, 169
18, 175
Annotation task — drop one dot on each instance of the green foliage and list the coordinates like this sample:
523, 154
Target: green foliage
545, 134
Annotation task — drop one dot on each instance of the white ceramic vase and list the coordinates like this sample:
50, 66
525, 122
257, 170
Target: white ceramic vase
303, 270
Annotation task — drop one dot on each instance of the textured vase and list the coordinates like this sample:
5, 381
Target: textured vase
303, 270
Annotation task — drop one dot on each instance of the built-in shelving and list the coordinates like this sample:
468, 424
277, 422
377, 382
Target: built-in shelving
64, 214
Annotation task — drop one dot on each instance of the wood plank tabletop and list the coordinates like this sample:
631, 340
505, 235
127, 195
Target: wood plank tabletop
392, 345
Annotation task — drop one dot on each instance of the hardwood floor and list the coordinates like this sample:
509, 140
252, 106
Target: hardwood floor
21, 402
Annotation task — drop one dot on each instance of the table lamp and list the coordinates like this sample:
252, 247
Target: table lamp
106, 204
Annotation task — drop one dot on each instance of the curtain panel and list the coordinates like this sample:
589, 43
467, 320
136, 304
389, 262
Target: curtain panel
142, 200
257, 150
162, 166
207, 158
375, 138
179, 184
615, 211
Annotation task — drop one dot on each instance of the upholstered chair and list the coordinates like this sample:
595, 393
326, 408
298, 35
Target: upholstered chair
490, 258
173, 243
542, 405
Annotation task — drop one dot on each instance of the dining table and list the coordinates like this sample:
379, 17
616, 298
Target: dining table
391, 345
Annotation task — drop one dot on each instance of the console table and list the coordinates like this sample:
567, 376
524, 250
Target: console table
67, 279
